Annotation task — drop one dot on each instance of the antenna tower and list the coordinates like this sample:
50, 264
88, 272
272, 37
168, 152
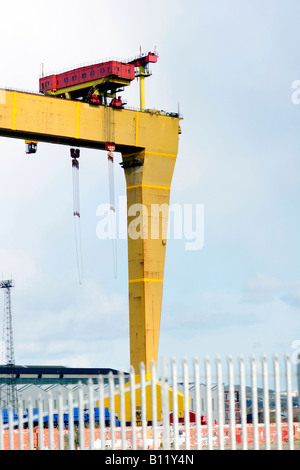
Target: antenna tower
8, 388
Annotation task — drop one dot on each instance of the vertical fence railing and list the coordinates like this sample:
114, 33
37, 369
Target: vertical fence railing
277, 402
266, 424
266, 402
243, 403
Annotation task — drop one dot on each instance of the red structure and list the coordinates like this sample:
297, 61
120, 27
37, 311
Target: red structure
192, 418
89, 73
98, 82
143, 60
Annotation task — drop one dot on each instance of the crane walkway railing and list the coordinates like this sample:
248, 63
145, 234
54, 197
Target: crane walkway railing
269, 392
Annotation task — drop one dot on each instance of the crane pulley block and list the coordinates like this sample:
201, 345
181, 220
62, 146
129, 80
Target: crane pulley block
30, 146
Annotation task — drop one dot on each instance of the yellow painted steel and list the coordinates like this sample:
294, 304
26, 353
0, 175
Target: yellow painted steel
149, 143
50, 119
141, 75
142, 92
146, 255
148, 398
114, 82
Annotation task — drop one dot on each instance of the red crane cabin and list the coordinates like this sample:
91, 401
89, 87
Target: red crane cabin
89, 73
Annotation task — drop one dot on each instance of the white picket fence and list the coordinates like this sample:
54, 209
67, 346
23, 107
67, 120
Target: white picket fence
27, 430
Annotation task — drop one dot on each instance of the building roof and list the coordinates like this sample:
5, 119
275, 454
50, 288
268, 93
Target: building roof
53, 374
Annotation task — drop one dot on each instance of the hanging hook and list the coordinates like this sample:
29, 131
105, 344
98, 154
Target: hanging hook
75, 154
110, 147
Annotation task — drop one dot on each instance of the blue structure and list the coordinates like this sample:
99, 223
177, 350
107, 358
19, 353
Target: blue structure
65, 417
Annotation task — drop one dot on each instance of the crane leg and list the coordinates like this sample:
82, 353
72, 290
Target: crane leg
148, 193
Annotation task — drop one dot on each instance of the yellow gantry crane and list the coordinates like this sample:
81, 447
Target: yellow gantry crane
148, 142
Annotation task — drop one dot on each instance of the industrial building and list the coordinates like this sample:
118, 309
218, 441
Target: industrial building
34, 382
203, 400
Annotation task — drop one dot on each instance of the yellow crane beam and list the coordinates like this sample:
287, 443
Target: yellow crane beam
148, 142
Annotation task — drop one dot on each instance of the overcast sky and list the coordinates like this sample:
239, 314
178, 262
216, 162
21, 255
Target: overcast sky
230, 65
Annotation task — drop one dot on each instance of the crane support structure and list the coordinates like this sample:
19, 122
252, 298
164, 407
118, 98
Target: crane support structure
148, 142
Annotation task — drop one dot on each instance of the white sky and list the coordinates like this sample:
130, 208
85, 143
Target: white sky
230, 65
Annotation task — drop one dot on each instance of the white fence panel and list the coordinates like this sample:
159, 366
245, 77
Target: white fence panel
227, 395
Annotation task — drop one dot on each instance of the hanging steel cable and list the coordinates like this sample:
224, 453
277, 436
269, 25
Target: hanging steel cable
110, 157
75, 153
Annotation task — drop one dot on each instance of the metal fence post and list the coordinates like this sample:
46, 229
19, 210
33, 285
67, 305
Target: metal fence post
209, 403
197, 403
41, 423
81, 417
298, 384
122, 410
11, 427
112, 408
165, 406
154, 404
277, 402
254, 403
20, 425
133, 407
143, 405
266, 402
175, 403
186, 403
71, 420
243, 404
30, 423
220, 402
289, 401
50, 422
60, 421
91, 414
101, 411
231, 403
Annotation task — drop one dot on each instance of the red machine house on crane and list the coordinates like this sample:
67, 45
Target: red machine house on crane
98, 83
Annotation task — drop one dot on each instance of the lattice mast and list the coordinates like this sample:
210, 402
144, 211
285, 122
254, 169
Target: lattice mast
8, 390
